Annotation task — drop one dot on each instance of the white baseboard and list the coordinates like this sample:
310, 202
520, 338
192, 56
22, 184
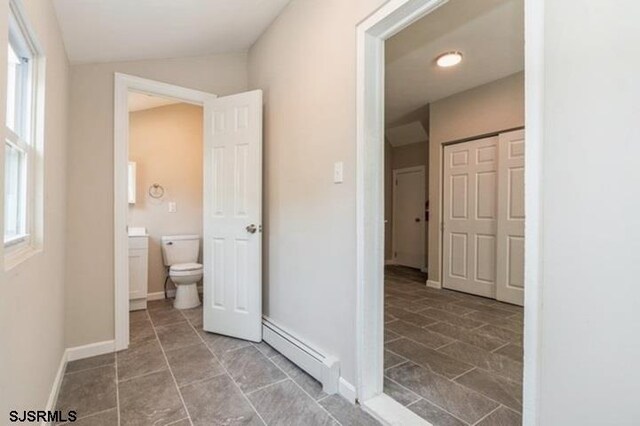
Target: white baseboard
57, 382
322, 367
92, 349
389, 262
434, 284
347, 390
424, 270
159, 295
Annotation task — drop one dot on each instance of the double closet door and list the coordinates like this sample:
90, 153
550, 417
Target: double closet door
483, 217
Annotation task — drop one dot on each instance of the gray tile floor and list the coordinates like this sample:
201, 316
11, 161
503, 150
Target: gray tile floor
450, 357
176, 374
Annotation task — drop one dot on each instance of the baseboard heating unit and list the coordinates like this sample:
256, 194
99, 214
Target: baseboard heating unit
322, 367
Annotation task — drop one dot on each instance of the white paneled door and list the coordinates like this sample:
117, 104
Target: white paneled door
510, 243
469, 235
408, 217
483, 212
233, 216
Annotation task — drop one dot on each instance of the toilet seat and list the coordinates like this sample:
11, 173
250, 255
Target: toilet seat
185, 269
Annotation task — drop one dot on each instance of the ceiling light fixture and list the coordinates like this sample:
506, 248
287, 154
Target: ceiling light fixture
449, 59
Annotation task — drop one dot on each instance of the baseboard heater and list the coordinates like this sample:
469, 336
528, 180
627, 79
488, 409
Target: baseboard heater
323, 368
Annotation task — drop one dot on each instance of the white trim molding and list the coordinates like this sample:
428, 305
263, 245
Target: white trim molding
57, 383
92, 349
347, 390
434, 284
123, 85
385, 22
388, 20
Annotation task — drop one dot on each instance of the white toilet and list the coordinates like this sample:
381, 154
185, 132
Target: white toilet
180, 253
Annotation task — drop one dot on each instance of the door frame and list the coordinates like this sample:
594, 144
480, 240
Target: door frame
123, 84
372, 32
394, 240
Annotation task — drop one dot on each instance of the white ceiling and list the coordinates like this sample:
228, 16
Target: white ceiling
120, 30
142, 101
490, 35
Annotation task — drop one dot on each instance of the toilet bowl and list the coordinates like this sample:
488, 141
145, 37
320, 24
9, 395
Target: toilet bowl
180, 253
186, 277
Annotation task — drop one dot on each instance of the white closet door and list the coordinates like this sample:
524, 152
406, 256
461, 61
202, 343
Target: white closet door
469, 216
510, 256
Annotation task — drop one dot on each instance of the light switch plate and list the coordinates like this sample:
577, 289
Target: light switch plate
338, 172
172, 207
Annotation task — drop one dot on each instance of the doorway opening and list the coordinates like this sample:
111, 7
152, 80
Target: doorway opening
459, 324
222, 190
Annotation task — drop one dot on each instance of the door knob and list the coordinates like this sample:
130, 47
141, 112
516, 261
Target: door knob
417, 219
251, 229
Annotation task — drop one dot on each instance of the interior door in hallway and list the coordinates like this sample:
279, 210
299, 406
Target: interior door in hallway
408, 216
469, 216
233, 216
510, 238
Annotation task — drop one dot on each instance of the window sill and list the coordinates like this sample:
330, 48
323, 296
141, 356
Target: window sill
16, 255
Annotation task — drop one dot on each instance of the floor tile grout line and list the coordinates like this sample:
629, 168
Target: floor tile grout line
429, 401
487, 415
460, 375
500, 347
143, 375
286, 379
384, 376
175, 382
303, 390
226, 371
486, 396
88, 369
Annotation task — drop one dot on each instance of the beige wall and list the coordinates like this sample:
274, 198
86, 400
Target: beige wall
166, 144
90, 285
486, 109
32, 302
305, 62
400, 157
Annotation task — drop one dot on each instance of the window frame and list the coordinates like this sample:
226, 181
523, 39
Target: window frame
27, 137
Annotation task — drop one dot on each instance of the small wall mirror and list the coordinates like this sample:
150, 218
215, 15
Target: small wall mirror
131, 187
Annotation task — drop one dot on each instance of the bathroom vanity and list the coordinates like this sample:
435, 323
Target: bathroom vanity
138, 268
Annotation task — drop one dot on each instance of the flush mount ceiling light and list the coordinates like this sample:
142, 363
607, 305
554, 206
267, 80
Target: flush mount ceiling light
449, 59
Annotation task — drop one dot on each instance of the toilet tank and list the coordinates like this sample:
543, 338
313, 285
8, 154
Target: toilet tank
180, 249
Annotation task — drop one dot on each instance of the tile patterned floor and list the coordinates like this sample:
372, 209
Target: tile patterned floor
176, 374
452, 358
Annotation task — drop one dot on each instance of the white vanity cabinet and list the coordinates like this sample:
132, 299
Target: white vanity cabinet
138, 271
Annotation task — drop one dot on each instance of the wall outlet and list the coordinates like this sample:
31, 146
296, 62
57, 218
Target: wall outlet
338, 172
172, 207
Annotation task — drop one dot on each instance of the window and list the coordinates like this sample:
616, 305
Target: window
20, 147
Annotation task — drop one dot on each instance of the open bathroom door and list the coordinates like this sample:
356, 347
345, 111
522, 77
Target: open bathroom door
233, 216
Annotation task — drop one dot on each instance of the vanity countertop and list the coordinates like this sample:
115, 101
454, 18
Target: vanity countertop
138, 231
